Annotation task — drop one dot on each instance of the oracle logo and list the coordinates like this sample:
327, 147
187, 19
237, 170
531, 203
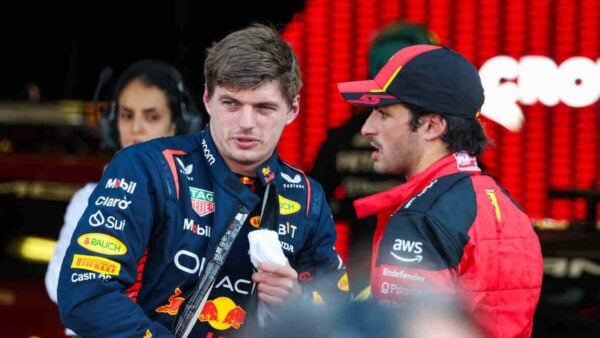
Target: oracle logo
532, 79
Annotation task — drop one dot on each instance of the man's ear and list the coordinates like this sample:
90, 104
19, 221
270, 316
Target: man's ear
294, 110
206, 100
434, 126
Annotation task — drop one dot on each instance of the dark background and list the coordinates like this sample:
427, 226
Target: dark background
64, 46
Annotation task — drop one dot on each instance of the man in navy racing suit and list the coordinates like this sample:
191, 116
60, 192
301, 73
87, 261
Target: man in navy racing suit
162, 207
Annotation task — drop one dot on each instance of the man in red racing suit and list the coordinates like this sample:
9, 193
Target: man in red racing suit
449, 228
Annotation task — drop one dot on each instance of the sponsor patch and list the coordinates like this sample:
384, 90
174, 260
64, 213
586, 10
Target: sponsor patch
268, 174
111, 222
202, 201
465, 162
114, 183
102, 243
343, 283
113, 202
288, 206
491, 194
287, 229
296, 179
317, 299
174, 303
207, 154
222, 313
189, 225
255, 222
96, 264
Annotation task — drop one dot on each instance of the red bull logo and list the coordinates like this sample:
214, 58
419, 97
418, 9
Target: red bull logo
222, 313
255, 222
268, 174
174, 304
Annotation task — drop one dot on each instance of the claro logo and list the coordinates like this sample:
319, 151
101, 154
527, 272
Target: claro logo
532, 79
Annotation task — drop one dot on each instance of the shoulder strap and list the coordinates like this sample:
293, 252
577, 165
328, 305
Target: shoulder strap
194, 304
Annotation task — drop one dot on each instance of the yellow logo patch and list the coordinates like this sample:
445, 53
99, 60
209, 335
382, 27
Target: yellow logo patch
102, 243
491, 194
343, 283
287, 206
96, 264
317, 299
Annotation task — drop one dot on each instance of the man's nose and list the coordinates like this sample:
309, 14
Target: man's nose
247, 117
367, 127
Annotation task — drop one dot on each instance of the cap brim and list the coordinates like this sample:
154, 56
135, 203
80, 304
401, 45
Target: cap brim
366, 93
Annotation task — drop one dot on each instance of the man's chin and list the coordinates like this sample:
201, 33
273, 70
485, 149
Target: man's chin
379, 168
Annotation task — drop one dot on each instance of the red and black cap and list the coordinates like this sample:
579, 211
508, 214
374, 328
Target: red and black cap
436, 79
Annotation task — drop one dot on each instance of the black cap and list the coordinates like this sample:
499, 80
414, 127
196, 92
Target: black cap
436, 79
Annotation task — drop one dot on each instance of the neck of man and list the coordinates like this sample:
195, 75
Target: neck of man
431, 154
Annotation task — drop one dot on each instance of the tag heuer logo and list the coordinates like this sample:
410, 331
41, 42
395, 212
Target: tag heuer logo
202, 201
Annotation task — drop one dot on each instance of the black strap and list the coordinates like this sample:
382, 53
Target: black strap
187, 318
269, 213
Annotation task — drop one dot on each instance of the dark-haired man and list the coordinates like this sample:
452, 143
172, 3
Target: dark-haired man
449, 228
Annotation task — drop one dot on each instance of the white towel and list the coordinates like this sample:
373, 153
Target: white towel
265, 248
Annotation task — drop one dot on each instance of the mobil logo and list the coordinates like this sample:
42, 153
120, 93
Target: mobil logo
114, 183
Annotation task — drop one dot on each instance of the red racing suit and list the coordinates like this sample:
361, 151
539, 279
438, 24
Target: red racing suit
452, 229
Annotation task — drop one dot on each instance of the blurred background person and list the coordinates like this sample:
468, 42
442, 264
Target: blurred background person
149, 101
428, 315
344, 166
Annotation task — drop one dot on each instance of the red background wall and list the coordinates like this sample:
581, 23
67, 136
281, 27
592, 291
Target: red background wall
558, 147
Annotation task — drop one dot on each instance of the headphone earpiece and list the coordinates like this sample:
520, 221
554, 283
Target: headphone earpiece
108, 127
191, 119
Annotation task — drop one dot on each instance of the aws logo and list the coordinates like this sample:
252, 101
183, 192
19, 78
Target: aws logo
222, 313
403, 248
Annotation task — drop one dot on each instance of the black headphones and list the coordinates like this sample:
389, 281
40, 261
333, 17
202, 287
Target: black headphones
164, 76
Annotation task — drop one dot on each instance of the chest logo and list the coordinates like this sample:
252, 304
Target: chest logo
288, 206
202, 201
222, 313
184, 169
403, 248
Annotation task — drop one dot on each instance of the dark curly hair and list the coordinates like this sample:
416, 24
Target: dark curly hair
461, 134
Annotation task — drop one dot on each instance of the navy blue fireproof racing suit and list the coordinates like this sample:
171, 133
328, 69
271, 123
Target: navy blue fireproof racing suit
154, 220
